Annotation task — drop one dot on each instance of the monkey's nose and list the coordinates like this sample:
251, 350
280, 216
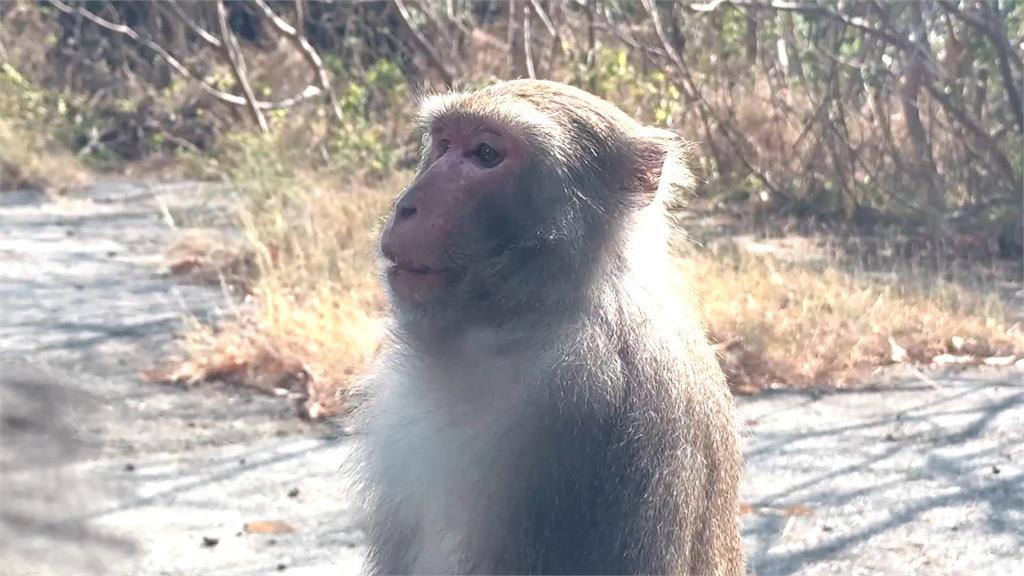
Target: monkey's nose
405, 210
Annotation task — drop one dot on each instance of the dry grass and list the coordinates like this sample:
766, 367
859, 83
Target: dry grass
316, 311
315, 318
29, 159
802, 324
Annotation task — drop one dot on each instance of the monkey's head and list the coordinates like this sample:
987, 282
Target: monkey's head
526, 194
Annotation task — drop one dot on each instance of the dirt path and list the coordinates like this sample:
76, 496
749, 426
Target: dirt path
102, 473
920, 478
154, 469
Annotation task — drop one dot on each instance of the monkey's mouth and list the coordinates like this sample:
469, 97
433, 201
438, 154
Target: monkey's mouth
415, 282
416, 268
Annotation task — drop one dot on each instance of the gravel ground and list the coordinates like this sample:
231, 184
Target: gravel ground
102, 473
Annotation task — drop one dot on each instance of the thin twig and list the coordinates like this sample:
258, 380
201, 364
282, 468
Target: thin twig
527, 49
234, 55
226, 97
423, 45
298, 37
203, 34
539, 11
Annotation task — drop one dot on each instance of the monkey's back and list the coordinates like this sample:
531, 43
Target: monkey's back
621, 469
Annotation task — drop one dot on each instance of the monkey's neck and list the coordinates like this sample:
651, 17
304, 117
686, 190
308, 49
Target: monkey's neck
616, 305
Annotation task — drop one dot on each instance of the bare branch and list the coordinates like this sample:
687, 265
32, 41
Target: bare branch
810, 8
556, 39
196, 28
527, 48
986, 141
737, 140
997, 32
659, 31
591, 8
226, 97
539, 11
980, 24
312, 57
706, 7
234, 55
422, 44
511, 36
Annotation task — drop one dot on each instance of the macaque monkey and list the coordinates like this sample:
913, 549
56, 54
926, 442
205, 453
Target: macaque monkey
545, 401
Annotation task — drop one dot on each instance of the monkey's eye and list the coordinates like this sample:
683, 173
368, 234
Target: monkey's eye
488, 156
445, 145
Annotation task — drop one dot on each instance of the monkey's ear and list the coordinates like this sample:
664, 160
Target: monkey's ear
650, 155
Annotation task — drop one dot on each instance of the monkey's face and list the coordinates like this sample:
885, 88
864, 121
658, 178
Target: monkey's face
461, 212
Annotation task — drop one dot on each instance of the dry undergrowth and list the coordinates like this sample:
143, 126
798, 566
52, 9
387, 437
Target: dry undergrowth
29, 159
800, 324
314, 317
315, 314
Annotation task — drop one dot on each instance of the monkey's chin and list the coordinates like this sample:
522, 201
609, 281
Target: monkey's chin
413, 286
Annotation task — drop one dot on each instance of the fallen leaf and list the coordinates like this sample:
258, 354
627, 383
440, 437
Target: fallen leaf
162, 374
791, 511
268, 527
185, 265
796, 510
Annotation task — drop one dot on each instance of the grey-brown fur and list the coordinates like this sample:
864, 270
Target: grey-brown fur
562, 411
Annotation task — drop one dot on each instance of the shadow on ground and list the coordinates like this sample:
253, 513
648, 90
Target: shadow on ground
921, 477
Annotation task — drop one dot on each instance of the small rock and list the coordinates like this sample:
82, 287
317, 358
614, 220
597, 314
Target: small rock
996, 469
241, 462
293, 492
210, 541
826, 528
897, 353
129, 467
282, 567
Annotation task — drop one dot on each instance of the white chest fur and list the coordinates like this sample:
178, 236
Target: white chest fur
439, 446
